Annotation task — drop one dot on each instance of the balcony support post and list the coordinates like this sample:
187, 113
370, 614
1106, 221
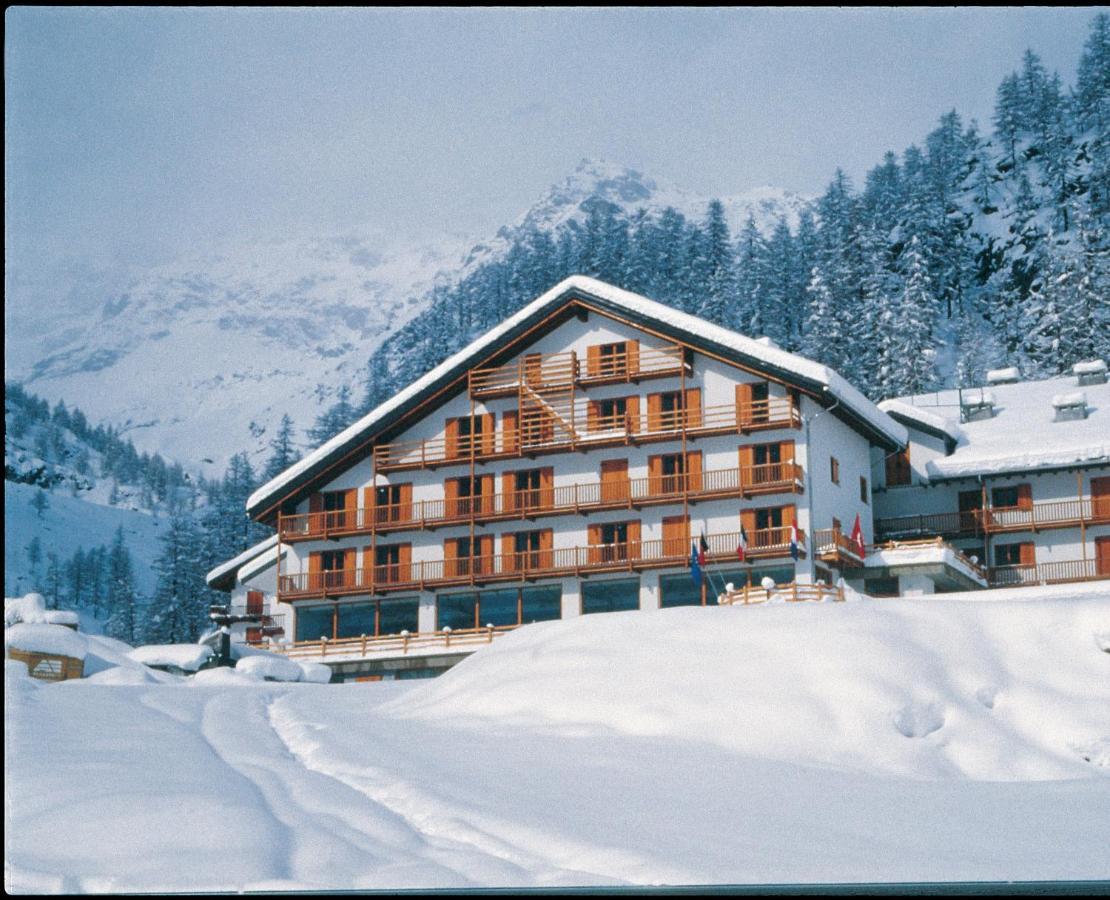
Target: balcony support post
1082, 518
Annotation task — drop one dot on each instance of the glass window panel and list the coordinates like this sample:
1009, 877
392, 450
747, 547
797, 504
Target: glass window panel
541, 604
405, 674
498, 607
455, 611
399, 615
680, 590
356, 619
610, 596
313, 623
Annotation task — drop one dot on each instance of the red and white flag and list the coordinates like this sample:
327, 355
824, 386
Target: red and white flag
742, 547
857, 538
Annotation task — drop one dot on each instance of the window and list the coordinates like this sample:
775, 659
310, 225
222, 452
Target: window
332, 565
612, 359
768, 518
388, 502
472, 556
834, 470
526, 487
387, 564
863, 490
1013, 554
898, 471
766, 454
1018, 496
670, 409
504, 606
610, 596
315, 622
672, 467
526, 548
335, 505
610, 414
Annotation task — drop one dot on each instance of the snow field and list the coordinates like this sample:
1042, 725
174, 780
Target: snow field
872, 741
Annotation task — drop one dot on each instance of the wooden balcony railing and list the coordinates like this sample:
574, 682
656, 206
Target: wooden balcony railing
391, 644
1046, 573
995, 520
794, 593
562, 370
527, 565
542, 434
564, 499
831, 545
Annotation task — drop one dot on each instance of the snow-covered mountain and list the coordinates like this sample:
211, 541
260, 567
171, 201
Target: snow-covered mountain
199, 358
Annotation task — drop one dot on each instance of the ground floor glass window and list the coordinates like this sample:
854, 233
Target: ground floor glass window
610, 596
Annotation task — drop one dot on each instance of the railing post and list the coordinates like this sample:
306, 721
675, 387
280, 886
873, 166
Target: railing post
323, 647
363, 653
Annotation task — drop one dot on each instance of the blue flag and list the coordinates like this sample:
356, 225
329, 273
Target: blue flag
695, 566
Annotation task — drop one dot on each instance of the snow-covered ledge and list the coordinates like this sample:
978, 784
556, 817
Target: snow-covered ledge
913, 562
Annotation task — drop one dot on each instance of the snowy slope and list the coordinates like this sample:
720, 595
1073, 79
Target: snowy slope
187, 356
899, 740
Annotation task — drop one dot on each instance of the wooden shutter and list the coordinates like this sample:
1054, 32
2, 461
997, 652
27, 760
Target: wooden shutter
315, 568
592, 415
693, 470
1100, 497
632, 413
451, 498
693, 407
632, 353
450, 558
547, 487
1027, 554
634, 542
316, 503
655, 474
254, 603
489, 425
1102, 556
743, 405
451, 439
484, 564
547, 548
1025, 496
510, 431
486, 484
676, 536
366, 573
593, 360
654, 412
593, 538
404, 559
347, 568
614, 480
369, 501
747, 520
508, 553
747, 460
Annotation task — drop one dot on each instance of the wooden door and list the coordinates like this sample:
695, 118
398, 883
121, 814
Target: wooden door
1100, 497
1102, 556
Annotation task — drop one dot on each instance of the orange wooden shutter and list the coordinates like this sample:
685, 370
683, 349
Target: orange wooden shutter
614, 480
485, 554
486, 484
743, 404
254, 603
632, 351
593, 360
1027, 554
450, 557
634, 539
489, 424
676, 536
693, 470
316, 503
786, 451
655, 474
693, 407
1102, 556
747, 520
547, 548
508, 488
632, 413
592, 415
1025, 496
593, 538
1100, 497
368, 502
655, 412
508, 553
747, 460
510, 431
451, 438
788, 513
451, 497
404, 557
547, 487
366, 573
314, 569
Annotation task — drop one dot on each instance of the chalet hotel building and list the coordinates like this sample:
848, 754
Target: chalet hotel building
566, 463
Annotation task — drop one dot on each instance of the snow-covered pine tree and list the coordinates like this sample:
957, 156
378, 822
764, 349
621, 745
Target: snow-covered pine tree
121, 598
282, 451
718, 292
913, 360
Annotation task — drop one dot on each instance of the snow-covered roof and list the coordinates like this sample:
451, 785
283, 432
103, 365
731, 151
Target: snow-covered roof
55, 640
1072, 398
187, 657
1003, 376
223, 576
797, 369
1023, 434
917, 554
1091, 367
31, 609
915, 416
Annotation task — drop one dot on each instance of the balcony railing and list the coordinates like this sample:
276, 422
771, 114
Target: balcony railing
527, 565
562, 370
794, 593
999, 519
542, 434
831, 545
770, 478
1046, 573
391, 644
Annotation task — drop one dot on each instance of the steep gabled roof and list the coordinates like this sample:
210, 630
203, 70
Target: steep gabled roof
222, 578
826, 385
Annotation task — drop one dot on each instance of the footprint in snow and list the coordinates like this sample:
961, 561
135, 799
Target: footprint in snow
919, 720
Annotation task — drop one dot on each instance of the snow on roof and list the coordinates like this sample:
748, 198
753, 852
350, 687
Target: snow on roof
929, 420
774, 357
1003, 376
232, 565
1090, 367
55, 640
1023, 435
187, 657
1073, 398
978, 397
31, 608
916, 555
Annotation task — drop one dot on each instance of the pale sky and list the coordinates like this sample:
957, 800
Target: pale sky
134, 135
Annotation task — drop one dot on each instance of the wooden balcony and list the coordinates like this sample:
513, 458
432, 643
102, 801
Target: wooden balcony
635, 493
561, 371
1060, 572
367, 646
540, 435
834, 547
997, 520
528, 566
792, 593
953, 524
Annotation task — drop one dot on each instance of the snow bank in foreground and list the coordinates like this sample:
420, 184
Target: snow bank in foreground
898, 740
187, 657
